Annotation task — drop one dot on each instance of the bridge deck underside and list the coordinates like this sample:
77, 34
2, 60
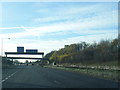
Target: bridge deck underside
25, 53
23, 58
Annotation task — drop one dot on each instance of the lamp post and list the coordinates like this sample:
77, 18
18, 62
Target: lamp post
2, 45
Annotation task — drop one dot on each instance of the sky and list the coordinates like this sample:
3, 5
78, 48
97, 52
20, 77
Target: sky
48, 26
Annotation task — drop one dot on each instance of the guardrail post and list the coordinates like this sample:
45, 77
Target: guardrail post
42, 55
12, 61
6, 58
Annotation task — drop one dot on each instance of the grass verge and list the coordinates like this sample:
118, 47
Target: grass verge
100, 73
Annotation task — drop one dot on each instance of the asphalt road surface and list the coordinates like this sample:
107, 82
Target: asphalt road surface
39, 77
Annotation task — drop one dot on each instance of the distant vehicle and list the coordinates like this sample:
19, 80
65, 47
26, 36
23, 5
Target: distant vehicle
54, 63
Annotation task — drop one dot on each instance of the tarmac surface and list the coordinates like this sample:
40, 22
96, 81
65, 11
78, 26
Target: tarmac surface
39, 77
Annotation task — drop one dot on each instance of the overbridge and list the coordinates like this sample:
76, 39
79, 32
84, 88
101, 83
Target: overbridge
26, 53
23, 53
23, 58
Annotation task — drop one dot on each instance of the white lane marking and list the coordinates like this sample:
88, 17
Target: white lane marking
3, 80
57, 82
11, 75
8, 77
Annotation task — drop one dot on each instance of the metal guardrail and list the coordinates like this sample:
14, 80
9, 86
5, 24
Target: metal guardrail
92, 67
108, 72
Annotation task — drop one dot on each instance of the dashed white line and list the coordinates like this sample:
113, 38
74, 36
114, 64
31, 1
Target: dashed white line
8, 77
3, 80
57, 82
11, 75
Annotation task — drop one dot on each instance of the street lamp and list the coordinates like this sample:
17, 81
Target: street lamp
2, 45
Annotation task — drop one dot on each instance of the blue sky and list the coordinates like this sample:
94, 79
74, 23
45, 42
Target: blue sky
51, 25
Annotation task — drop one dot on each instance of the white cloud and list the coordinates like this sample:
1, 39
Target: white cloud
88, 26
5, 28
64, 11
74, 21
102, 21
0, 14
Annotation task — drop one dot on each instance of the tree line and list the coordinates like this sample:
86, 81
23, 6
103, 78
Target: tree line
105, 50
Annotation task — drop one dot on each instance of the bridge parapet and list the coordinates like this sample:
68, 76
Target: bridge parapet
24, 53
